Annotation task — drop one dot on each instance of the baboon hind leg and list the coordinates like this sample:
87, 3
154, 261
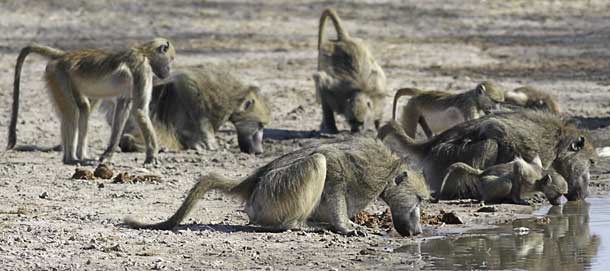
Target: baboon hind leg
62, 91
285, 197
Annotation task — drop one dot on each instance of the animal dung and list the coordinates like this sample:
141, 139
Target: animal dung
103, 171
83, 174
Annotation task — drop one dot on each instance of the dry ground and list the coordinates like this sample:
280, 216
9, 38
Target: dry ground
558, 46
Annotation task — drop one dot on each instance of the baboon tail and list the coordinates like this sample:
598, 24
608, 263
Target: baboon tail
403, 92
464, 168
341, 33
205, 184
46, 51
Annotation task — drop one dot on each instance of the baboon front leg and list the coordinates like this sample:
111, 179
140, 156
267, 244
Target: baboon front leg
339, 218
425, 127
84, 106
328, 125
121, 113
207, 139
140, 113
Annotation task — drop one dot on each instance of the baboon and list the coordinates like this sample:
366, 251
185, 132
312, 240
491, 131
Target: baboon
437, 111
348, 81
507, 182
78, 79
532, 98
188, 110
499, 138
326, 183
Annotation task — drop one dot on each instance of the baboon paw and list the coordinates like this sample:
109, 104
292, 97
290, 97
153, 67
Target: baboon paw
356, 233
151, 160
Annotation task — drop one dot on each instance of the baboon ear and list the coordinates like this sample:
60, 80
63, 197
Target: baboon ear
255, 89
546, 180
578, 144
481, 89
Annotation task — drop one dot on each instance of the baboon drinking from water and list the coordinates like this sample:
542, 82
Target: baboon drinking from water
189, 109
506, 182
499, 138
78, 79
437, 111
532, 98
349, 81
327, 183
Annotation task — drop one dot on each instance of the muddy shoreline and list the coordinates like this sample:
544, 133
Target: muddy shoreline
51, 222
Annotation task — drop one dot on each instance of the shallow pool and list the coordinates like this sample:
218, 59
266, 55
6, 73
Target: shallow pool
573, 236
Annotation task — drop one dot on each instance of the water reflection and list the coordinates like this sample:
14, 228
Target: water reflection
564, 241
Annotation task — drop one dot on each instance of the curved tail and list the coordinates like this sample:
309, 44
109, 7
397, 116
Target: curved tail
341, 33
205, 184
465, 168
46, 51
403, 92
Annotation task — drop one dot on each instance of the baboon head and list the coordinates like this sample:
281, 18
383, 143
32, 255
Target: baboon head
553, 185
250, 119
358, 111
488, 96
160, 53
575, 157
531, 98
405, 205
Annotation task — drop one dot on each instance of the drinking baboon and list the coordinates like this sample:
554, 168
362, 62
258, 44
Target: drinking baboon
188, 110
327, 183
499, 138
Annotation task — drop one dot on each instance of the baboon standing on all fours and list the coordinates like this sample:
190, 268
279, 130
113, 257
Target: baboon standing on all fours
78, 79
188, 110
349, 81
437, 111
499, 138
326, 183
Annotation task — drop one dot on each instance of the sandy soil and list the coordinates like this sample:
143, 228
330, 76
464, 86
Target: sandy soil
50, 222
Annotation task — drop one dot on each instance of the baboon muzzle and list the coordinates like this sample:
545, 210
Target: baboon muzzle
250, 137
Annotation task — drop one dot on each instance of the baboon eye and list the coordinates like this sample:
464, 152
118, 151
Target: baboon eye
540, 102
482, 89
401, 177
578, 144
248, 104
369, 104
163, 48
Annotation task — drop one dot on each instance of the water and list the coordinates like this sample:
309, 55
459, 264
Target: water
575, 236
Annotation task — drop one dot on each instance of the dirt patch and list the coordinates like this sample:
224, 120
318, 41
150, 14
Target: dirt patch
558, 46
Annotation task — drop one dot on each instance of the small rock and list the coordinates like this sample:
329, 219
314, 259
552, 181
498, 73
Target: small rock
521, 231
83, 174
488, 209
451, 218
367, 251
103, 171
44, 195
100, 185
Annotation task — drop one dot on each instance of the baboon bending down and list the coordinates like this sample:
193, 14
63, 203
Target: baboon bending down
348, 81
506, 182
188, 110
499, 138
532, 98
327, 183
437, 111
79, 78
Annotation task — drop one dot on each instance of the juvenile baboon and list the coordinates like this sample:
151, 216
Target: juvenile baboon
79, 78
437, 111
532, 98
506, 182
188, 111
499, 138
326, 183
348, 81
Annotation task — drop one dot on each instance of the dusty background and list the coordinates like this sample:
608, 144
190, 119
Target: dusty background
50, 222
